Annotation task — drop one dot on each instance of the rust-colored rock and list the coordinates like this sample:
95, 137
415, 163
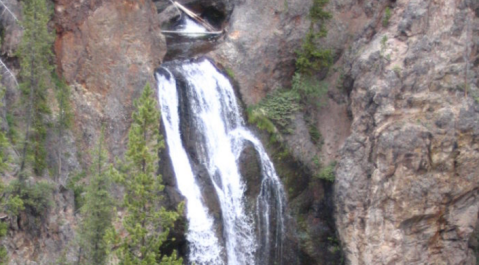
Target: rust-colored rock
107, 50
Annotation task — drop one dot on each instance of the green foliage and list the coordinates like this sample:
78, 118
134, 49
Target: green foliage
34, 53
397, 70
311, 91
384, 46
328, 173
33, 199
12, 133
97, 211
230, 73
78, 187
4, 144
387, 17
317, 10
315, 135
277, 109
144, 219
310, 57
3, 228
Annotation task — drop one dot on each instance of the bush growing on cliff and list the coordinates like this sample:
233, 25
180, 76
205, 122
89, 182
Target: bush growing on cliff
34, 53
327, 173
310, 90
144, 219
310, 57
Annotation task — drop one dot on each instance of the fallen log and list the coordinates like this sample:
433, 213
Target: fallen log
194, 16
192, 33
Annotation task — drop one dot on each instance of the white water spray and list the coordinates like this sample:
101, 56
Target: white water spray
203, 244
215, 115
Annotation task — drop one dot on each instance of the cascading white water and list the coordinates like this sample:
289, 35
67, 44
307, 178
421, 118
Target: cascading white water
190, 28
217, 119
203, 244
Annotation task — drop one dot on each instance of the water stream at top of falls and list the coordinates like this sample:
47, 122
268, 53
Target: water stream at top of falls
190, 28
249, 236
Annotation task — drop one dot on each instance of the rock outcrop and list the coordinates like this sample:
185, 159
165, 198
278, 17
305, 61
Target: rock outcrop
407, 181
107, 50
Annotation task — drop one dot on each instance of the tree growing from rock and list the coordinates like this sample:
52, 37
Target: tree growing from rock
146, 224
97, 211
34, 53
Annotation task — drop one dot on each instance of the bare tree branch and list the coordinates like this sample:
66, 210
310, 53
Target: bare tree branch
9, 11
9, 72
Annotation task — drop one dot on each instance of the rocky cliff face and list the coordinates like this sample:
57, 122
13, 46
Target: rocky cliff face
107, 50
407, 180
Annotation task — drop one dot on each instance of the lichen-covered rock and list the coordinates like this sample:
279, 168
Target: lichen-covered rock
406, 186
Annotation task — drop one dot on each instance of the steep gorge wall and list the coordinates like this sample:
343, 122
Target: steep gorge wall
107, 50
407, 180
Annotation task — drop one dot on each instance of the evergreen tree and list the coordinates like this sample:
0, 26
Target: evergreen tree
34, 52
3, 166
97, 212
144, 219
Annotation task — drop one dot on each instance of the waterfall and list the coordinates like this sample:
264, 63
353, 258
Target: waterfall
204, 247
250, 236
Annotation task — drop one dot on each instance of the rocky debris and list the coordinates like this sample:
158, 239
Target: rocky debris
406, 184
108, 51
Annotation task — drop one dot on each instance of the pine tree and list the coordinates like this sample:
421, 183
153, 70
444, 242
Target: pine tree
97, 212
3, 166
34, 52
144, 219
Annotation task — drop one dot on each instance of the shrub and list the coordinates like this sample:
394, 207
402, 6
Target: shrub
328, 173
277, 109
387, 17
311, 91
310, 58
35, 199
317, 12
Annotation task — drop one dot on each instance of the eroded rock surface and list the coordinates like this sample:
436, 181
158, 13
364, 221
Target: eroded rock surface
108, 51
407, 181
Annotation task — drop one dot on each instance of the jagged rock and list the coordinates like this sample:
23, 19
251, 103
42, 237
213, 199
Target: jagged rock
108, 50
406, 181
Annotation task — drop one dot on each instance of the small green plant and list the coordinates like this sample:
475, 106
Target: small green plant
311, 58
78, 187
384, 41
327, 173
32, 199
317, 11
387, 17
230, 73
334, 242
311, 91
315, 135
397, 70
277, 109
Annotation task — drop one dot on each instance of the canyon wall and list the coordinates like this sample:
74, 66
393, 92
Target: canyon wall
407, 179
